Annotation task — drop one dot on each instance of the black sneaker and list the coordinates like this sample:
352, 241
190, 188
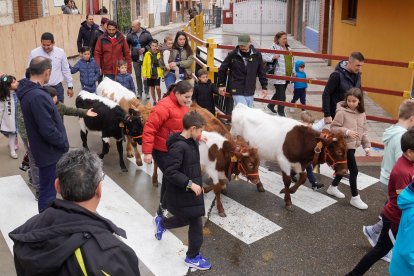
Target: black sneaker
316, 186
37, 196
271, 108
24, 167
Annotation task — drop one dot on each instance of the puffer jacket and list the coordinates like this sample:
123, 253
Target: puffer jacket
89, 74
126, 81
165, 119
107, 54
348, 119
183, 164
85, 35
135, 43
147, 65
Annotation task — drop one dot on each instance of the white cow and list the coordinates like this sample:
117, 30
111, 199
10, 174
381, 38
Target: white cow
290, 143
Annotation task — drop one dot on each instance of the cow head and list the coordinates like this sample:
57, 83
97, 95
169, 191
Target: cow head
334, 151
133, 125
247, 160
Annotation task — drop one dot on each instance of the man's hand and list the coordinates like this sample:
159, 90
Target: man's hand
264, 93
70, 93
196, 189
222, 91
91, 113
148, 158
328, 120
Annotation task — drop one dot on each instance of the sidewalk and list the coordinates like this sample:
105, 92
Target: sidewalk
315, 69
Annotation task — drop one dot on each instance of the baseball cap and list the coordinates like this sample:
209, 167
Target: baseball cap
243, 39
104, 20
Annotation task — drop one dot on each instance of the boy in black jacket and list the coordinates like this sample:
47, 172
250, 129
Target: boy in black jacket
204, 92
184, 188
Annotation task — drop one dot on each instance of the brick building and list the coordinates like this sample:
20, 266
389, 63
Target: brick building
13, 11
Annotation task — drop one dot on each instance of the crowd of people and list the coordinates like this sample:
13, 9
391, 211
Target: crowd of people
34, 108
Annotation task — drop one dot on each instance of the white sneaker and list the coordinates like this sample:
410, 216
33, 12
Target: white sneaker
13, 155
358, 203
388, 257
332, 190
371, 235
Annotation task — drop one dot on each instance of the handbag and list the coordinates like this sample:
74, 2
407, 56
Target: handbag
270, 67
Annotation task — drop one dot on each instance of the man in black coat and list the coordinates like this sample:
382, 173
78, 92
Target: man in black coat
70, 237
347, 75
45, 130
97, 33
86, 32
245, 64
139, 40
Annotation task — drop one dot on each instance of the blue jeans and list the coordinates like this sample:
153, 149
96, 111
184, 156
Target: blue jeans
47, 192
246, 100
170, 79
60, 91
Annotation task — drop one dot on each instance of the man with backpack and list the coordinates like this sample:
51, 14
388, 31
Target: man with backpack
70, 237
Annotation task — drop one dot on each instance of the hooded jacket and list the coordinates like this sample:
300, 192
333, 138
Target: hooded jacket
300, 75
44, 126
85, 35
402, 262
46, 243
165, 119
348, 119
66, 9
94, 38
89, 73
392, 143
135, 43
204, 95
183, 165
340, 81
107, 54
241, 80
126, 81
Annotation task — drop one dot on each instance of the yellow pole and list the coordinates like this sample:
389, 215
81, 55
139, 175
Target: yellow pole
211, 45
201, 24
192, 31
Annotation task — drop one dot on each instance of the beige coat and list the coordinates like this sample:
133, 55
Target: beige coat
186, 62
347, 119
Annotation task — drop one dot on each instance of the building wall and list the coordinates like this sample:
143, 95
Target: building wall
6, 12
53, 10
383, 30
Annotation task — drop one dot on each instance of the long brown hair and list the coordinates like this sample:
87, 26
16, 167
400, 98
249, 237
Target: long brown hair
357, 93
186, 46
278, 36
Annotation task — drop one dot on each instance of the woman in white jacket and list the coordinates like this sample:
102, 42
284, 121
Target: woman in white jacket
8, 101
284, 65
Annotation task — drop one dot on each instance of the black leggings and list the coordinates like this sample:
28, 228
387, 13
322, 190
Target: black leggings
383, 246
280, 95
195, 231
159, 158
353, 172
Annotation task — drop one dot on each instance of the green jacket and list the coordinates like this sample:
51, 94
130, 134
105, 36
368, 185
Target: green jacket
70, 111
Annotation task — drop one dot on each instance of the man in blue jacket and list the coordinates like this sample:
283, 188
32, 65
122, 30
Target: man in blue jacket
44, 126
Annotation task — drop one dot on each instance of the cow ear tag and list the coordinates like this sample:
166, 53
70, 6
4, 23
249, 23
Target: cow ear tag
234, 158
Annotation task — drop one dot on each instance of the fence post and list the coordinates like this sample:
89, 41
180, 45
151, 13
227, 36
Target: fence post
211, 45
192, 31
200, 26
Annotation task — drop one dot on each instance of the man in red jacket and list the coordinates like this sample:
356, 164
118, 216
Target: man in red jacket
110, 48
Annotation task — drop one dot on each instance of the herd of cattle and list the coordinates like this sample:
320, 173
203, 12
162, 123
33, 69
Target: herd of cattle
254, 136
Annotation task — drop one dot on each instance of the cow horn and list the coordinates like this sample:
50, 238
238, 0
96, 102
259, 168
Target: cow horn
245, 153
335, 139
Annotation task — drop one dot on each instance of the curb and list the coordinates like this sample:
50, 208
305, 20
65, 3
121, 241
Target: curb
369, 160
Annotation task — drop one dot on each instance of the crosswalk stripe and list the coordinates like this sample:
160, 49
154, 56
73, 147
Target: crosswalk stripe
165, 257
241, 222
305, 198
363, 180
17, 205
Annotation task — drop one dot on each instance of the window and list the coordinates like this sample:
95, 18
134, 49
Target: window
138, 8
313, 14
349, 10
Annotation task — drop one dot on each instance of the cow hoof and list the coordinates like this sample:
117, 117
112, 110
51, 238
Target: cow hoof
124, 169
155, 184
260, 188
289, 207
282, 191
138, 162
223, 215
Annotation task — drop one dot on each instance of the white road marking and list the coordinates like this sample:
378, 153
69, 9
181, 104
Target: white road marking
165, 257
363, 180
241, 222
17, 205
305, 198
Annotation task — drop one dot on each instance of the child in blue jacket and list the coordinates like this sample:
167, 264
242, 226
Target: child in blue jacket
89, 70
299, 92
123, 77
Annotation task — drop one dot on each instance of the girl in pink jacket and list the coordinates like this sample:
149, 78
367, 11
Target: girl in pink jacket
351, 121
